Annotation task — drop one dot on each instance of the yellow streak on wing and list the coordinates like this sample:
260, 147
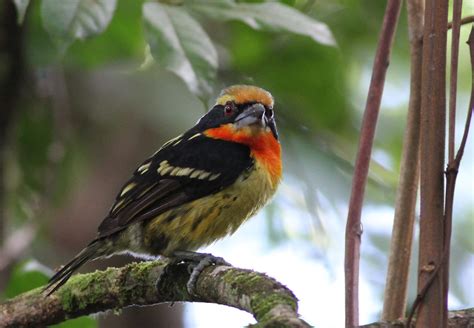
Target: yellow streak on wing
194, 136
204, 175
127, 188
142, 169
164, 165
195, 174
214, 176
166, 170
169, 142
116, 206
185, 171
175, 170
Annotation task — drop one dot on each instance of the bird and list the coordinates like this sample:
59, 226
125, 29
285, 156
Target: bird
196, 189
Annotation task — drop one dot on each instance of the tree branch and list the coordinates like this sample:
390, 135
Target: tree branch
456, 319
369, 122
431, 312
449, 200
396, 287
268, 301
465, 20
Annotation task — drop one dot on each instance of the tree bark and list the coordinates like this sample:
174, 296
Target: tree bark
361, 169
433, 120
396, 287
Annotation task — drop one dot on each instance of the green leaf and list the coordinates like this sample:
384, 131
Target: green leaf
26, 276
67, 21
21, 6
268, 16
82, 322
179, 44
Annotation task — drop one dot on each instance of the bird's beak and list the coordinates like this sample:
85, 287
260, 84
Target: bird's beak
255, 116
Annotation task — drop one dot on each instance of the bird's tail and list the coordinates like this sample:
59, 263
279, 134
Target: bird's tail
91, 252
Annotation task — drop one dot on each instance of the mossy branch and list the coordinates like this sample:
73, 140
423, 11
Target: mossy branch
271, 303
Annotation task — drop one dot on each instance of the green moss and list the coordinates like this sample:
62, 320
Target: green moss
246, 281
84, 289
140, 274
141, 270
263, 304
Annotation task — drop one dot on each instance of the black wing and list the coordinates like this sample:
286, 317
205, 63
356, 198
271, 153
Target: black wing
186, 168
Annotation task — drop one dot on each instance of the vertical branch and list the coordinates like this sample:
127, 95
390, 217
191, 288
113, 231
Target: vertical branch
396, 287
433, 119
353, 226
456, 25
452, 168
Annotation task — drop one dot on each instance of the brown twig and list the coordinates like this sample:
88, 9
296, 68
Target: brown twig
460, 152
353, 226
457, 319
456, 26
433, 132
450, 175
396, 287
464, 20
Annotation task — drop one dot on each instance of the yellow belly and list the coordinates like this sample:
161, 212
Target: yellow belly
207, 219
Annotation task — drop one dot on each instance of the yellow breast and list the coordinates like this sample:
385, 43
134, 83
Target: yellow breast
207, 219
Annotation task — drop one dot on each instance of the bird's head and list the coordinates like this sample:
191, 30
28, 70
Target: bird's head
244, 114
243, 110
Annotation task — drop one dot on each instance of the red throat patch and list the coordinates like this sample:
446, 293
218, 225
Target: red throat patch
263, 146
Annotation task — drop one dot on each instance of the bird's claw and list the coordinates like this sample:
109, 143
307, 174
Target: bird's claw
197, 262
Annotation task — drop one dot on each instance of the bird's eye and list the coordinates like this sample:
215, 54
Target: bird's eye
269, 113
229, 108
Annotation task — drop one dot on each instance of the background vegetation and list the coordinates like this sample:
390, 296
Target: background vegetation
88, 111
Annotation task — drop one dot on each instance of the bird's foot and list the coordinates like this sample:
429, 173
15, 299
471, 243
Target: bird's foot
197, 262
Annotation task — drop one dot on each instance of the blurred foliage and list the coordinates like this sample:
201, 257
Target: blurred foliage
123, 76
25, 276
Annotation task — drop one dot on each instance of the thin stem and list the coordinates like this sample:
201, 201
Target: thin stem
353, 226
460, 152
396, 287
464, 21
450, 174
457, 10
